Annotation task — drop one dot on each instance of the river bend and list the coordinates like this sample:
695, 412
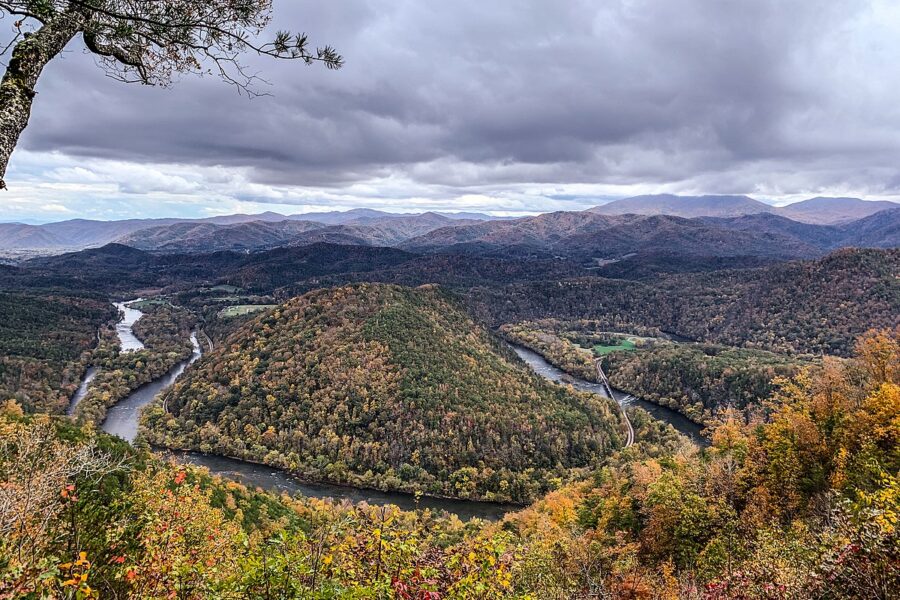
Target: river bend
123, 419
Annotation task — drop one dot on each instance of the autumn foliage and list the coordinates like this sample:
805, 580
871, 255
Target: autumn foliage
389, 387
802, 502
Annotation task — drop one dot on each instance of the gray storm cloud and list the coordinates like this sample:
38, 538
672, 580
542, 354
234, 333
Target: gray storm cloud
722, 96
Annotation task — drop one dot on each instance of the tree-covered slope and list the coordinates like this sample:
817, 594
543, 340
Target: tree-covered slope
44, 342
385, 386
817, 306
701, 381
802, 503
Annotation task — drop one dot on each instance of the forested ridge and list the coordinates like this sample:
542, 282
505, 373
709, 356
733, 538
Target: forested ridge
45, 341
801, 502
700, 381
389, 387
816, 307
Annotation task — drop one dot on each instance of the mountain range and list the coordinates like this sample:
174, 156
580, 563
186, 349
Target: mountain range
256, 235
595, 238
819, 210
77, 234
553, 245
587, 236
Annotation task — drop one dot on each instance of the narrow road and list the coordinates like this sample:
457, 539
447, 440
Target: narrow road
629, 438
209, 341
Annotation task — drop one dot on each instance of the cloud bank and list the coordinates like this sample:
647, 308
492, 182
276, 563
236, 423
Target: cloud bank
501, 106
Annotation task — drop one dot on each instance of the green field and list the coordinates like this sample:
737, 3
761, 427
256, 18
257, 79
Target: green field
625, 344
231, 289
240, 310
143, 304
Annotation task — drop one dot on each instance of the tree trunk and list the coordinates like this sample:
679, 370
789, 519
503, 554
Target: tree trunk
25, 66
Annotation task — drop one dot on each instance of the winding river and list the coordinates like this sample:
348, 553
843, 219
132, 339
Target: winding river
123, 418
82, 390
274, 480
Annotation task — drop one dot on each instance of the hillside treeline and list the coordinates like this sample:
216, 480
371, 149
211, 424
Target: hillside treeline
700, 381
811, 307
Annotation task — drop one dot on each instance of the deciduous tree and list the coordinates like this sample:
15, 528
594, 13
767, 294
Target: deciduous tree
140, 41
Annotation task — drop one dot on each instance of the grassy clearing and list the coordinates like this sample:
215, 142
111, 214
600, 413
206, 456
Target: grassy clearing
240, 310
626, 344
230, 289
147, 303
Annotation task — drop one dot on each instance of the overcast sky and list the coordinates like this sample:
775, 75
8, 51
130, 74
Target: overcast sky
506, 106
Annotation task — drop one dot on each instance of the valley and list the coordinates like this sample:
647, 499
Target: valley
344, 382
122, 420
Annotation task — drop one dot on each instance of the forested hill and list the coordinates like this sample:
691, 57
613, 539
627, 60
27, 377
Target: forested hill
390, 387
817, 306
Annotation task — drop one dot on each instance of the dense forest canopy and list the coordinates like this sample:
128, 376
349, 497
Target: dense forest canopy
45, 340
812, 306
804, 504
701, 381
385, 386
815, 307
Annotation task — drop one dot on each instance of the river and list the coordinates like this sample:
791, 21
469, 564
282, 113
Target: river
122, 419
82, 390
681, 423
274, 480
127, 339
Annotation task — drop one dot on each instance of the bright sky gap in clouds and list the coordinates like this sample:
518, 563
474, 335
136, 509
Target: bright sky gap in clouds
502, 106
